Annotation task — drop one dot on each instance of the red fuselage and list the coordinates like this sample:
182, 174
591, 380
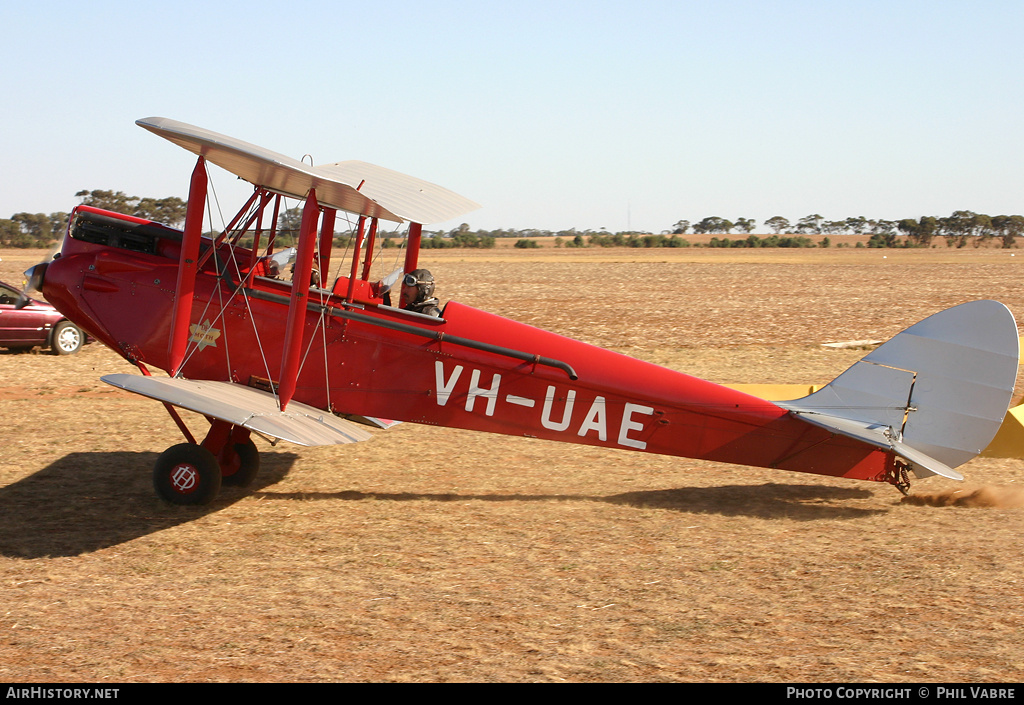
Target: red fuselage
469, 369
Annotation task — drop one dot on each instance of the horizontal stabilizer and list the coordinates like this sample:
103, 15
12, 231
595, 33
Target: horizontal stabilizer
247, 407
880, 436
935, 394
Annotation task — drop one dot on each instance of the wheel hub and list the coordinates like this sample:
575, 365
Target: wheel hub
184, 478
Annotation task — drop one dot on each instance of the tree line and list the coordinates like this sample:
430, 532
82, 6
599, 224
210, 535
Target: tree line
42, 230
957, 230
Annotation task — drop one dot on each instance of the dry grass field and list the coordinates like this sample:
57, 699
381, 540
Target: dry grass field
437, 555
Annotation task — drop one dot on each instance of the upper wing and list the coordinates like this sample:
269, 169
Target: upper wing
355, 187
414, 199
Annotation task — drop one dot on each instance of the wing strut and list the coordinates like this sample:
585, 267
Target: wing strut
356, 249
412, 252
371, 241
326, 243
297, 306
254, 253
412, 248
187, 267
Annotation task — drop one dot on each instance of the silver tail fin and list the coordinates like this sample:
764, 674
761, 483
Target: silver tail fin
935, 394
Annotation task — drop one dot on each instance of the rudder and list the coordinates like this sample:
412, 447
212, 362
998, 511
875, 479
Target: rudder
935, 394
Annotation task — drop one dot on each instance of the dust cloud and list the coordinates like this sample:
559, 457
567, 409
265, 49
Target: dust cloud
985, 497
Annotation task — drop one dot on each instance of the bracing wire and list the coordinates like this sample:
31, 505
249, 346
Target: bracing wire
224, 271
195, 345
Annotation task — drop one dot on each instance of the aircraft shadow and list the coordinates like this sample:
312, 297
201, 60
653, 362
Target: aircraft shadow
768, 501
88, 501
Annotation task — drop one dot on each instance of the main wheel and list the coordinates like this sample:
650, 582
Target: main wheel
248, 465
187, 474
66, 338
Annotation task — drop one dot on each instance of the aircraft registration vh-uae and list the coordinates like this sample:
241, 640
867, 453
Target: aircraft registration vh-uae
318, 359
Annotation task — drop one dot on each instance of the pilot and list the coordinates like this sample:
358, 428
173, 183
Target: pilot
418, 293
314, 277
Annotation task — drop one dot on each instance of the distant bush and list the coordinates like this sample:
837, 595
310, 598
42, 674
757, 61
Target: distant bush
526, 243
770, 241
439, 242
636, 240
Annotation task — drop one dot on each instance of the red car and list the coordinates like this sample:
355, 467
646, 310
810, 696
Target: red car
36, 323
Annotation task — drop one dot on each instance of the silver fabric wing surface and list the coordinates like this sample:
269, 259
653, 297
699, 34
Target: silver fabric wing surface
254, 409
262, 167
354, 187
413, 199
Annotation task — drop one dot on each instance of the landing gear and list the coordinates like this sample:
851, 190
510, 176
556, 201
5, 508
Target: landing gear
192, 474
244, 463
187, 474
898, 476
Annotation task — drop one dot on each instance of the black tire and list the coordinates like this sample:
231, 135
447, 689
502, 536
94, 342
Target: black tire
187, 474
66, 338
248, 465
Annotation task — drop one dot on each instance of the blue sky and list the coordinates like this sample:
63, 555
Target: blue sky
551, 115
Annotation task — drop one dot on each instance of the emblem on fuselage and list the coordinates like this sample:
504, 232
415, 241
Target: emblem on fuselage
203, 334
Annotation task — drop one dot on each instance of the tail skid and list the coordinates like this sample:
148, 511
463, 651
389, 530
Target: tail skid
935, 395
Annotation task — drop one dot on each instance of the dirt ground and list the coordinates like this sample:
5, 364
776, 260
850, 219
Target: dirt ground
437, 555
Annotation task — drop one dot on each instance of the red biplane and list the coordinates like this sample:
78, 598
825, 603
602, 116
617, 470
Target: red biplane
316, 360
